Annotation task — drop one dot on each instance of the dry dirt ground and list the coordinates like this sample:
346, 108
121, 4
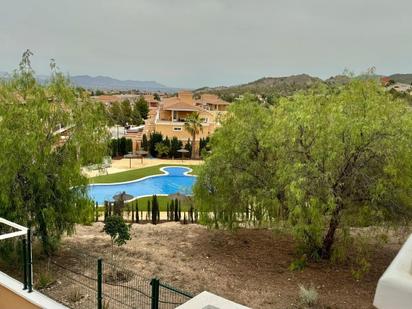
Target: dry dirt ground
249, 266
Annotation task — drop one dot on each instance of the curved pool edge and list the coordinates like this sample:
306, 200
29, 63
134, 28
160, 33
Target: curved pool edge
162, 169
165, 173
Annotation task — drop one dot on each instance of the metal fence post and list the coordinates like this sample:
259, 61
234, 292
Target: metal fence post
24, 245
155, 293
29, 262
100, 283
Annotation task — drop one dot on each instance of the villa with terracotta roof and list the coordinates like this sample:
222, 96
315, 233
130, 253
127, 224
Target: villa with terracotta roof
170, 116
172, 112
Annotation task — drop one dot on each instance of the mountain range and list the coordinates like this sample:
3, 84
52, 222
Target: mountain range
287, 85
107, 83
278, 86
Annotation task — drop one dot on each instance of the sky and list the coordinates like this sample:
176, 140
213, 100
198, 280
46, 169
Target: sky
195, 43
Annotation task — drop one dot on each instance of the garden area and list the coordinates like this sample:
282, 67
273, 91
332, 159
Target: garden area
300, 204
250, 266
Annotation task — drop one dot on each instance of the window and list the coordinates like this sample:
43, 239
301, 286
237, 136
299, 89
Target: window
177, 129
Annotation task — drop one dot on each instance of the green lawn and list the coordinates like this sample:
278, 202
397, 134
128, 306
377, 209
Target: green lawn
137, 173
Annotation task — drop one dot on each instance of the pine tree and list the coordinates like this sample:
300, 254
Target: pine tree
144, 144
106, 211
97, 212
191, 213
137, 212
155, 209
176, 210
148, 210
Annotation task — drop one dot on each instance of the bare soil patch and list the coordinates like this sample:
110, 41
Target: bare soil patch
249, 266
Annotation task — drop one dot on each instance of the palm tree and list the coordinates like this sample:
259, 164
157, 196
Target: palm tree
193, 125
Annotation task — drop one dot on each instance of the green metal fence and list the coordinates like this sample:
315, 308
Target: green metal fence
107, 285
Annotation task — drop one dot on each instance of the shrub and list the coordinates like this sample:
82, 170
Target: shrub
298, 264
308, 297
74, 295
118, 230
145, 143
154, 139
45, 279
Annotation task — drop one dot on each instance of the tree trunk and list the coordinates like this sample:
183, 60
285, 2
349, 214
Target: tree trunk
328, 240
194, 146
112, 250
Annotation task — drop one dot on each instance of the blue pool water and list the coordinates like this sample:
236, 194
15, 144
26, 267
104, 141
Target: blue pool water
174, 180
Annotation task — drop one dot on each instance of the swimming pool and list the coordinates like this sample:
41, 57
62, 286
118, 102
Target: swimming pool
175, 179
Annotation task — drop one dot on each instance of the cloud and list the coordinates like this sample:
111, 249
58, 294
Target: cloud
191, 43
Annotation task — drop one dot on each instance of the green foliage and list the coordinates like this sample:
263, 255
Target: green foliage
175, 145
117, 229
156, 97
121, 146
298, 264
136, 117
145, 143
188, 147
142, 106
155, 210
124, 113
44, 279
193, 125
162, 150
308, 297
41, 184
319, 161
154, 139
204, 146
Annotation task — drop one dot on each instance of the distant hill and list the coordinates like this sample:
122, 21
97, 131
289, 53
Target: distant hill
267, 86
337, 80
272, 88
107, 83
402, 78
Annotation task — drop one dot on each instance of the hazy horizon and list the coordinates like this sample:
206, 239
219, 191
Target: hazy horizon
193, 43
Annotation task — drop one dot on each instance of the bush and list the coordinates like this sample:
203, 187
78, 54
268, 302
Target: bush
175, 145
298, 264
308, 297
154, 139
75, 295
45, 279
121, 146
145, 143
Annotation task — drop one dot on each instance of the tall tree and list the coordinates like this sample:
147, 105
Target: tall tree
193, 125
145, 143
142, 106
320, 161
175, 145
126, 116
136, 117
41, 184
